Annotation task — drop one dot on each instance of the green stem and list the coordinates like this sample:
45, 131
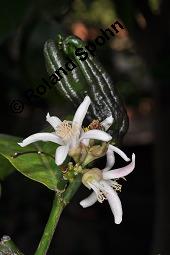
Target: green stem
57, 208
72, 188
50, 226
7, 246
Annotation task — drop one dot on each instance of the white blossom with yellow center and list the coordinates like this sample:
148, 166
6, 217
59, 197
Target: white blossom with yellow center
104, 183
68, 134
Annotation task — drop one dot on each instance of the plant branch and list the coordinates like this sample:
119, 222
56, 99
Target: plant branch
7, 246
58, 205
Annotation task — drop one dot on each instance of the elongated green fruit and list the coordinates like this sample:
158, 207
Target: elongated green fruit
73, 85
54, 60
104, 93
124, 121
79, 84
94, 92
97, 94
88, 78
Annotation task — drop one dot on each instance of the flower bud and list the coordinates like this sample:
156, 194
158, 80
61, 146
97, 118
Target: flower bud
95, 152
98, 150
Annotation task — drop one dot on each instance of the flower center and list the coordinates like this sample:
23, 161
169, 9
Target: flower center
66, 131
92, 178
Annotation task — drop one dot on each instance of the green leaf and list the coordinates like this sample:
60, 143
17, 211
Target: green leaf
38, 167
5, 168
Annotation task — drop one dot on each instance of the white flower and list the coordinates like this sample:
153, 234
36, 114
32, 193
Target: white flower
104, 183
68, 134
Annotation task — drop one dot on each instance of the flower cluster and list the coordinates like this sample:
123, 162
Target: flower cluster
84, 145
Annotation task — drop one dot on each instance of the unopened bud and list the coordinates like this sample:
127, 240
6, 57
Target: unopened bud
95, 152
99, 150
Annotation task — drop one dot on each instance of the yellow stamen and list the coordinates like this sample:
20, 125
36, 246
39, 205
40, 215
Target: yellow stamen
116, 185
65, 130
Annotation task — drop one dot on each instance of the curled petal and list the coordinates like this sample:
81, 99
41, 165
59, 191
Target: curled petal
81, 112
114, 201
61, 154
89, 201
120, 172
97, 135
54, 121
107, 122
120, 152
110, 160
45, 137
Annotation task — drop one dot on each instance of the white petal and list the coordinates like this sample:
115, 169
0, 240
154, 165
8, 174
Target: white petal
110, 160
120, 152
95, 186
97, 135
84, 141
89, 201
120, 172
107, 122
81, 112
45, 137
114, 202
54, 121
61, 154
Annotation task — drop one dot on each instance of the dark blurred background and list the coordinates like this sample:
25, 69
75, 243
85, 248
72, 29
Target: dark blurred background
138, 59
